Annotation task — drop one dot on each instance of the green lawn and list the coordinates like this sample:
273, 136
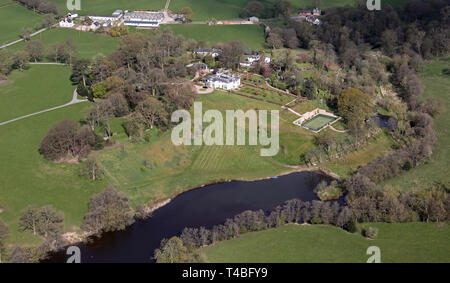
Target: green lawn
12, 19
27, 178
171, 169
208, 9
266, 95
88, 44
28, 91
252, 35
435, 170
107, 7
399, 242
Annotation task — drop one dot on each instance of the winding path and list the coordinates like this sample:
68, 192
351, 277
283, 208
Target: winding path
74, 100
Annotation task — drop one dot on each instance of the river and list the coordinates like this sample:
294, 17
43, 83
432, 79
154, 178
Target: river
207, 206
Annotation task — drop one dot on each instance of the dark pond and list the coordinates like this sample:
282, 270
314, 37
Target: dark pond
207, 206
383, 121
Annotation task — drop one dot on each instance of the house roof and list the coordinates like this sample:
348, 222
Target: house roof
223, 78
143, 15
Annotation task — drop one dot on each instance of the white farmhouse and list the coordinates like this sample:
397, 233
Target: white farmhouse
223, 81
66, 23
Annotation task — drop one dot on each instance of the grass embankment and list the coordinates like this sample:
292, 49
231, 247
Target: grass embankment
107, 7
26, 178
13, 18
28, 91
398, 242
252, 35
435, 170
88, 44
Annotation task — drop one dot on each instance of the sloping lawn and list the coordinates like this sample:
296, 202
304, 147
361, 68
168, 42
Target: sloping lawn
28, 91
107, 7
13, 18
26, 178
252, 35
88, 44
398, 242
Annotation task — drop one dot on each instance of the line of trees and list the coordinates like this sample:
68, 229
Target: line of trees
41, 6
108, 211
34, 51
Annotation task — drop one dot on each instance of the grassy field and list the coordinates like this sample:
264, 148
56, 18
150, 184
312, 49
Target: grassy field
107, 7
208, 9
435, 170
252, 35
88, 44
27, 178
27, 92
13, 18
398, 242
158, 169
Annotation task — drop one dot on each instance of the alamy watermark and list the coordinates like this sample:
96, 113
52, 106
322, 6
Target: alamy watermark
73, 5
375, 254
213, 133
75, 254
373, 5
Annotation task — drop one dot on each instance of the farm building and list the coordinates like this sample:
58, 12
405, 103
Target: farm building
143, 18
223, 81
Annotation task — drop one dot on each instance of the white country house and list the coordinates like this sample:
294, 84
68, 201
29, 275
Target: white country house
223, 81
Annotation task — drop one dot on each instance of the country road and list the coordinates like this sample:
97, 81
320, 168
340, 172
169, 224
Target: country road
74, 100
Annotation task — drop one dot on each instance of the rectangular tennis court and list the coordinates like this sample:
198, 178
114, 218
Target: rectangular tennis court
318, 122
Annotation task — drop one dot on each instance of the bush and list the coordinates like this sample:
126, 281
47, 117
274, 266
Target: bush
371, 233
65, 139
351, 227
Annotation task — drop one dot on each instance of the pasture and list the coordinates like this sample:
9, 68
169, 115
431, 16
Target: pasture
26, 178
28, 91
88, 44
434, 170
398, 242
13, 18
252, 35
107, 7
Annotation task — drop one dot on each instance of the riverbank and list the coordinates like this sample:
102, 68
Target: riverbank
204, 206
74, 238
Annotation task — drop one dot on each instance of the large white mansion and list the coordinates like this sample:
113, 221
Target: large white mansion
223, 81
